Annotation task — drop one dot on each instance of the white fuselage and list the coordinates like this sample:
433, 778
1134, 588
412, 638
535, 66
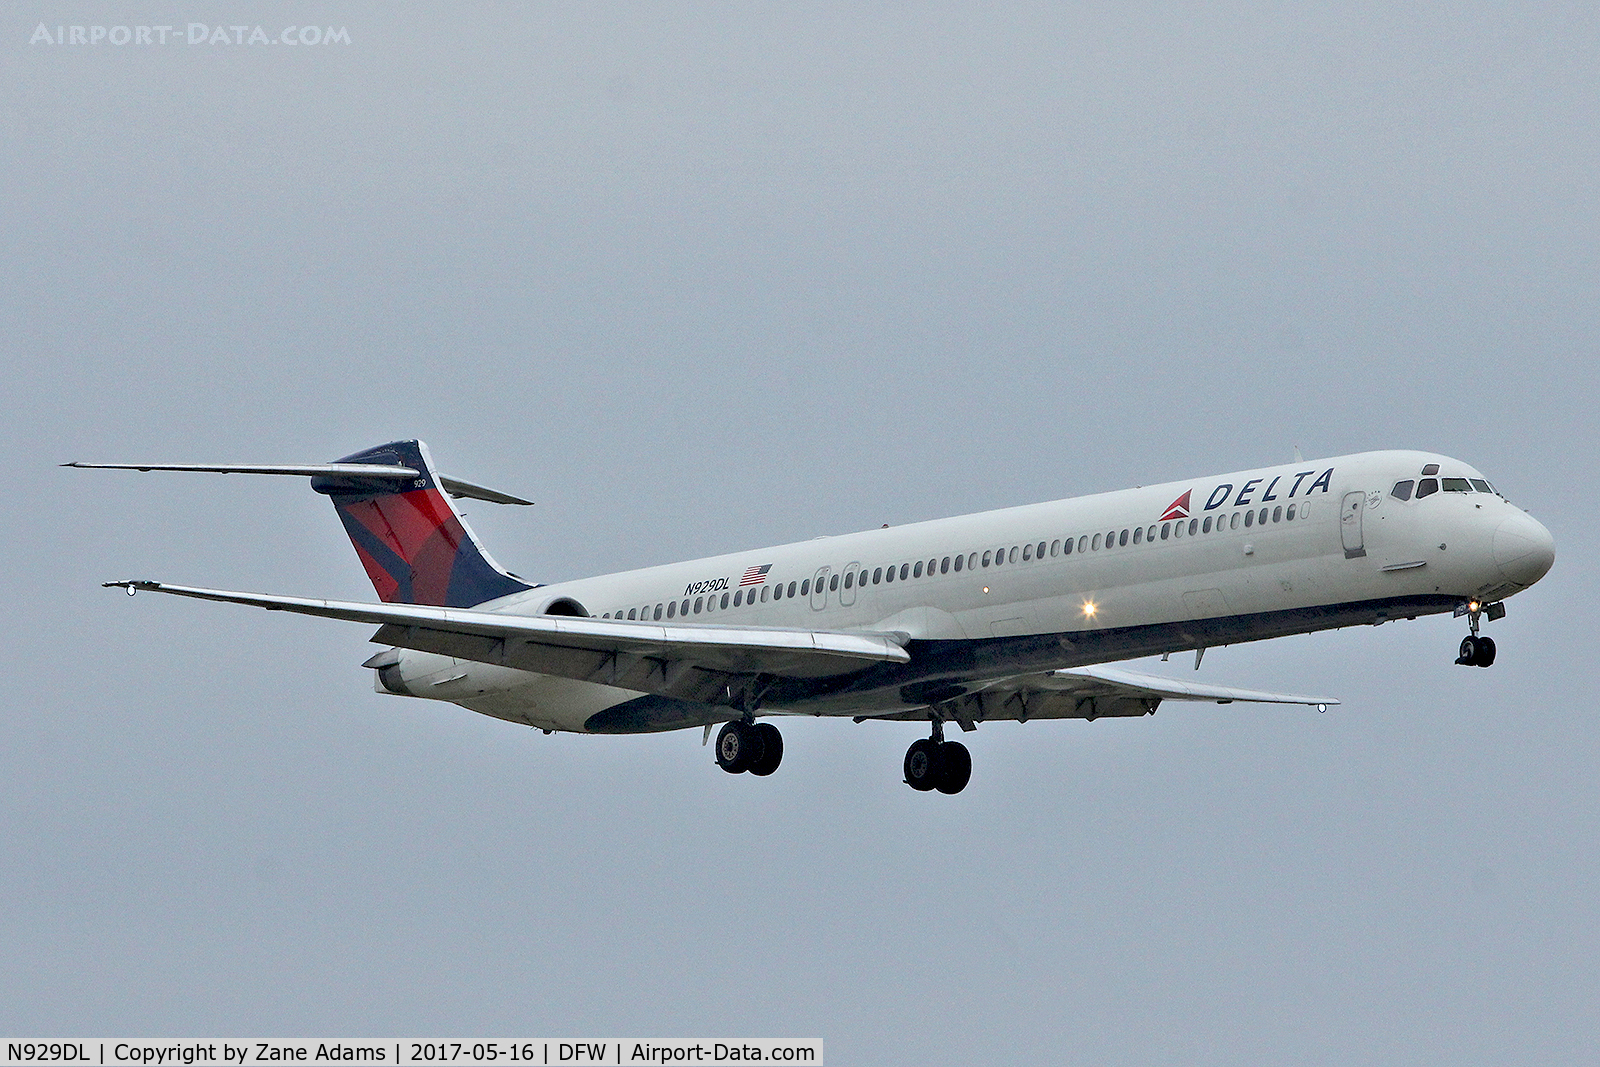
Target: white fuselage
1190, 564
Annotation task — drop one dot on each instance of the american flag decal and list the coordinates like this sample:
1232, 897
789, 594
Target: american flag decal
755, 576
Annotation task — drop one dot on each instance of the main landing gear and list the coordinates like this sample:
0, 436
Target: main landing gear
1477, 651
756, 747
934, 763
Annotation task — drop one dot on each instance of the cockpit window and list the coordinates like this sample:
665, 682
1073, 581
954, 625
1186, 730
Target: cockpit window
1457, 485
1481, 486
1402, 490
1431, 468
1427, 487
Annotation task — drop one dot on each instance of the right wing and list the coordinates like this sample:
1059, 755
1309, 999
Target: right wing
1089, 693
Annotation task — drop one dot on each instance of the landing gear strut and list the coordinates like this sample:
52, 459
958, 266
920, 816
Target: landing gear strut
1476, 651
756, 747
934, 763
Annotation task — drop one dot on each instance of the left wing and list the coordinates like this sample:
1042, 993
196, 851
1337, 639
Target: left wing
707, 663
1090, 693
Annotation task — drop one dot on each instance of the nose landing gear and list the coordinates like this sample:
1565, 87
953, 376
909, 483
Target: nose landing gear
1477, 651
934, 763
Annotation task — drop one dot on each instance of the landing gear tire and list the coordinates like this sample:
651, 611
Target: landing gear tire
771, 749
1476, 651
955, 767
739, 747
922, 764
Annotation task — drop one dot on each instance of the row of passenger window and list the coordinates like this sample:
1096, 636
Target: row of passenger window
994, 557
1428, 486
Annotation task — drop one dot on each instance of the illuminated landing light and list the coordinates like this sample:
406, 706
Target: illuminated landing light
1473, 605
1089, 609
986, 589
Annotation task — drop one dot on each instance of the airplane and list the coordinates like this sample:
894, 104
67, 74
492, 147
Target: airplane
1014, 614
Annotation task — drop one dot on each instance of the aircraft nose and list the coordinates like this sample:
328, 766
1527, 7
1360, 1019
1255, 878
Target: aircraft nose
1523, 549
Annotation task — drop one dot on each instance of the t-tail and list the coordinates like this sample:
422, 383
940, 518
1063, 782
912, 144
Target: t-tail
415, 546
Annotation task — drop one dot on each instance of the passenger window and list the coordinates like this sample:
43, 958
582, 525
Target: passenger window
723, 603
777, 592
763, 594
697, 602
1166, 530
1277, 514
905, 568
1249, 519
1428, 486
1066, 547
1233, 523
1207, 527
833, 584
1457, 485
672, 610
972, 562
1481, 486
959, 561
790, 591
683, 609
1402, 490
1138, 535
1150, 534
888, 574
1012, 556
987, 557
633, 613
738, 597
1096, 545
1194, 524
1027, 553
877, 575
944, 565
1123, 540
1055, 547
805, 587
1289, 515
658, 612
1083, 542
1261, 517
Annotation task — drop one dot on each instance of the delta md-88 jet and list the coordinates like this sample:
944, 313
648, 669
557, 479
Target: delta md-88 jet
1009, 614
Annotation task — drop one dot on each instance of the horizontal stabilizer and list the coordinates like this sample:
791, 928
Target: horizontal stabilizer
384, 472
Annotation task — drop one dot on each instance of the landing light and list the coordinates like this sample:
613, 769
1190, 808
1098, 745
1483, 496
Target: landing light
1473, 605
1088, 609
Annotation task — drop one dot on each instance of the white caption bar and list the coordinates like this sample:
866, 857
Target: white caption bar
607, 1052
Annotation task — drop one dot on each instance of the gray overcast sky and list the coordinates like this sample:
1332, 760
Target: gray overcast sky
700, 277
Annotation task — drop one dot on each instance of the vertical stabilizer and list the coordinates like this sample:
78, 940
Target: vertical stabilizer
414, 545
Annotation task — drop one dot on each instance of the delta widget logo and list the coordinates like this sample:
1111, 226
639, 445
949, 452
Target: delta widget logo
1178, 509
